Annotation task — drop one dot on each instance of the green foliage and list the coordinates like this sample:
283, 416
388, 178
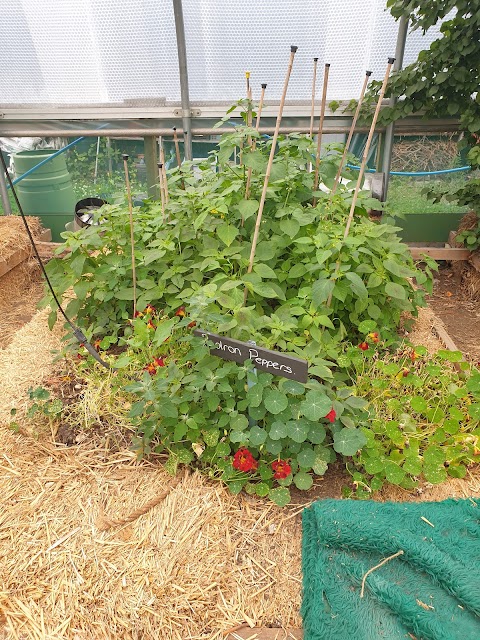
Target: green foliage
196, 407
41, 402
425, 418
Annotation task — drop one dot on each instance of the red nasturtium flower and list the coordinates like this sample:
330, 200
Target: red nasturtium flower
331, 415
282, 469
180, 312
191, 324
413, 355
244, 461
149, 309
151, 368
159, 362
405, 372
138, 314
374, 337
363, 346
96, 344
150, 325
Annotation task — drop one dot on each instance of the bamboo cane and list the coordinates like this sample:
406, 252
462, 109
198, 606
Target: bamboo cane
314, 83
364, 163
260, 108
162, 192
320, 127
249, 139
254, 143
293, 50
165, 183
132, 239
350, 134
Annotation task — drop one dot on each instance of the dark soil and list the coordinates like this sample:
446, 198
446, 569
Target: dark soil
460, 315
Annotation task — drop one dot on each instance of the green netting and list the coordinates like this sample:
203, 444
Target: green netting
431, 592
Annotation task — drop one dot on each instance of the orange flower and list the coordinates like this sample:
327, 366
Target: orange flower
363, 346
138, 314
282, 469
151, 368
97, 343
191, 324
160, 362
149, 310
180, 312
405, 372
374, 337
150, 325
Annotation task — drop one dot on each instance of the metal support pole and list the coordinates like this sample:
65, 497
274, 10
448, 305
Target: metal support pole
182, 66
7, 209
150, 148
389, 132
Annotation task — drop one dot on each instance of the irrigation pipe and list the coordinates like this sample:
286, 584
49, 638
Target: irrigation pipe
363, 165
132, 239
320, 128
414, 173
350, 135
261, 206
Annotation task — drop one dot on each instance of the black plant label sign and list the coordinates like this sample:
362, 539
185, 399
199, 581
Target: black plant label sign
273, 362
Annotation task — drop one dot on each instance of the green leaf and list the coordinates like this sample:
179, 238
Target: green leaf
248, 208
278, 430
303, 481
239, 423
264, 289
325, 321
450, 356
227, 233
280, 496
321, 289
298, 430
349, 441
164, 330
257, 436
393, 472
434, 473
358, 287
367, 326
264, 271
395, 290
124, 294
275, 401
306, 458
255, 395
262, 490
474, 411
418, 404
320, 466
316, 405
290, 227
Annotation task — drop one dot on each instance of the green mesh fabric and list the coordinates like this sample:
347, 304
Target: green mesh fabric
431, 592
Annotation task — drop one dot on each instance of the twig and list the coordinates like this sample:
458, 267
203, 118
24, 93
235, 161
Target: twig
320, 129
132, 238
395, 555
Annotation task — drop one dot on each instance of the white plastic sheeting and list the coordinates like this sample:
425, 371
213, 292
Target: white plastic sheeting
60, 52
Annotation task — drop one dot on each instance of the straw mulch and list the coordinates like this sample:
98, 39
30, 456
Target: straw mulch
196, 564
13, 235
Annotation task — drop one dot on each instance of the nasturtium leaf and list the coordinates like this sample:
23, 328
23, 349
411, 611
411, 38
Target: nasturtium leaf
457, 471
280, 496
320, 466
473, 385
303, 481
306, 458
317, 433
451, 426
434, 455
435, 414
254, 395
257, 436
275, 401
235, 486
395, 290
293, 387
273, 446
373, 465
474, 411
434, 473
227, 233
393, 472
316, 405
278, 430
348, 441
222, 450
239, 423
321, 289
210, 436
262, 490
418, 404
413, 465
450, 356
298, 430
238, 436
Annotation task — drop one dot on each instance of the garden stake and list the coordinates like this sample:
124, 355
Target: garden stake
260, 107
165, 183
162, 193
350, 134
320, 128
132, 240
249, 139
364, 162
314, 82
95, 173
293, 50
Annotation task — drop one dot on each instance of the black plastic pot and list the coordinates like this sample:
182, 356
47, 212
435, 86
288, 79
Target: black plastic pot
84, 211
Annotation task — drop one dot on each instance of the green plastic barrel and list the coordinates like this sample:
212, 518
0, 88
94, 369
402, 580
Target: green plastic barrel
48, 191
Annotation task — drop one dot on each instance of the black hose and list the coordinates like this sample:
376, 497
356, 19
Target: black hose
78, 334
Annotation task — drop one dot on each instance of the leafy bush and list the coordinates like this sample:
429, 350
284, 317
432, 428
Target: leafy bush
425, 418
251, 429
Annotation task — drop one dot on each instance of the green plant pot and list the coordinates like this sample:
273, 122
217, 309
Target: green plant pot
428, 227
